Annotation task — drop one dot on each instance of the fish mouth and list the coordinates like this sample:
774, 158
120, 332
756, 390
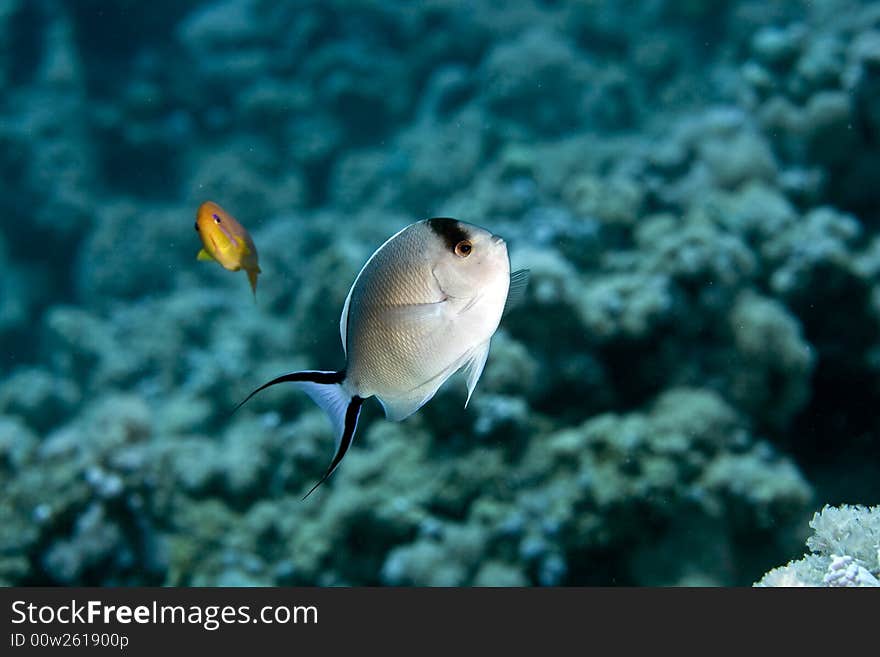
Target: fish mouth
497, 239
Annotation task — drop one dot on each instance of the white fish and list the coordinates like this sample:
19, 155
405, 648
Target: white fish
424, 305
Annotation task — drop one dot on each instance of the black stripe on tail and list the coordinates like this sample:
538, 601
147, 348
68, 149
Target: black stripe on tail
308, 375
351, 419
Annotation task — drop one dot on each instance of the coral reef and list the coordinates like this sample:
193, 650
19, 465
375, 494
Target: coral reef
695, 364
845, 548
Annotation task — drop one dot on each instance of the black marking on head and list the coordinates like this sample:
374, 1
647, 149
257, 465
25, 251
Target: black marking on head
196, 226
216, 217
449, 229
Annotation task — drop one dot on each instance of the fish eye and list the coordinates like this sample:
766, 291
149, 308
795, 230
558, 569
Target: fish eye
216, 219
463, 249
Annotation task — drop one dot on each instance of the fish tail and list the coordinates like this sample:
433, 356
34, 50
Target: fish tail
252, 277
327, 390
346, 436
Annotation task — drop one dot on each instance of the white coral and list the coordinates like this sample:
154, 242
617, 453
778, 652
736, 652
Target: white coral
844, 571
846, 551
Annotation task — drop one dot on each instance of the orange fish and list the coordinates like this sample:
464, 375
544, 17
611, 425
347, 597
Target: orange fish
226, 241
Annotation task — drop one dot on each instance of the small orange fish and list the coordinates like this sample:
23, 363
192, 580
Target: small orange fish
226, 241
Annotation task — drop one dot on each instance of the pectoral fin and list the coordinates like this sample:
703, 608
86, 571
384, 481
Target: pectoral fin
415, 314
519, 281
474, 366
204, 255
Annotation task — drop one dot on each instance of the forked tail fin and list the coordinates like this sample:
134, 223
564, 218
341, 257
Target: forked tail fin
326, 390
350, 421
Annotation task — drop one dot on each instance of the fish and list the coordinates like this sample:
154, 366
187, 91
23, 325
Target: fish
424, 306
226, 241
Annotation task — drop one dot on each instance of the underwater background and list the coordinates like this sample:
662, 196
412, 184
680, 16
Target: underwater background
695, 369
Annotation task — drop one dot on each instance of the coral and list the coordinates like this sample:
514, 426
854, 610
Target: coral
94, 543
14, 298
818, 243
842, 571
622, 466
846, 551
853, 531
773, 377
617, 200
734, 152
627, 305
446, 560
41, 399
697, 250
458, 144
105, 270
17, 443
537, 82
694, 361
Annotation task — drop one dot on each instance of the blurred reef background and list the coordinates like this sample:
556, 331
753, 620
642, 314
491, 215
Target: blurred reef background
695, 371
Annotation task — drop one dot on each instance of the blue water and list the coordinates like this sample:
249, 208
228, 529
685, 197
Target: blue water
694, 370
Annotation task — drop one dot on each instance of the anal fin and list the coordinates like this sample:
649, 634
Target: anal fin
401, 407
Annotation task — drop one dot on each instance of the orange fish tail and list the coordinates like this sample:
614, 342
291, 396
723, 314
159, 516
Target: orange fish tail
252, 277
